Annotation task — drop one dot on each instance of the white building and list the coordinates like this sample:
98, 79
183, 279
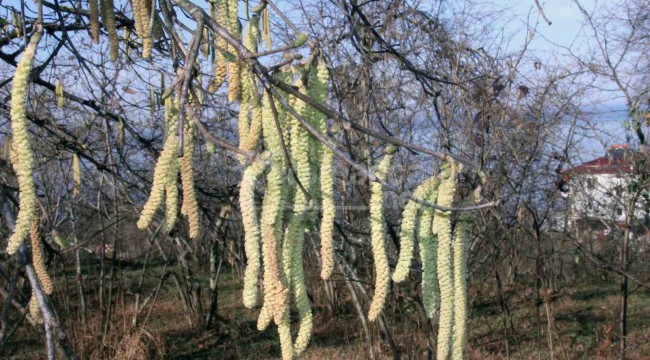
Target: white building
598, 190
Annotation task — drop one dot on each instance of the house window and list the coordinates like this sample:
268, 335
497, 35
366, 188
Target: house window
619, 211
591, 183
618, 190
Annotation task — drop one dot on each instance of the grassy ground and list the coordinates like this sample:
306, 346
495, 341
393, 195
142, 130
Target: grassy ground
585, 327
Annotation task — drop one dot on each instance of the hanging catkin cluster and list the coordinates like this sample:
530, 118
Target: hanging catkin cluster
166, 171
279, 233
22, 157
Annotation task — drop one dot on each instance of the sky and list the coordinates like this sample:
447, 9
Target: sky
567, 31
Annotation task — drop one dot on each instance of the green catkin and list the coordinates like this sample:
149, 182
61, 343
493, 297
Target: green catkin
294, 238
93, 8
171, 178
286, 343
382, 271
407, 231
318, 92
22, 157
442, 228
108, 18
428, 242
251, 228
461, 248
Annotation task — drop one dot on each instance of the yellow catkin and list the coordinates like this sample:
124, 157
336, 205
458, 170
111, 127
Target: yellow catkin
93, 8
407, 231
275, 288
220, 63
35, 309
108, 19
205, 44
246, 141
165, 174
156, 195
442, 228
266, 28
382, 271
22, 152
251, 229
171, 195
190, 207
329, 214
38, 260
76, 175
141, 15
58, 91
234, 70
461, 245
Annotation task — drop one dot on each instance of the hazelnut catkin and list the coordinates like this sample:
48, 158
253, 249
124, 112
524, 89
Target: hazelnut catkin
108, 18
220, 14
76, 175
461, 244
275, 288
22, 157
428, 244
93, 9
38, 260
442, 228
251, 229
35, 310
190, 207
234, 70
382, 271
407, 231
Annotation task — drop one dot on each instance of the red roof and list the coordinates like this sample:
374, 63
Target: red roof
604, 165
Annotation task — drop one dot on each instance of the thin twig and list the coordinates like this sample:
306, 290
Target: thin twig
541, 11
